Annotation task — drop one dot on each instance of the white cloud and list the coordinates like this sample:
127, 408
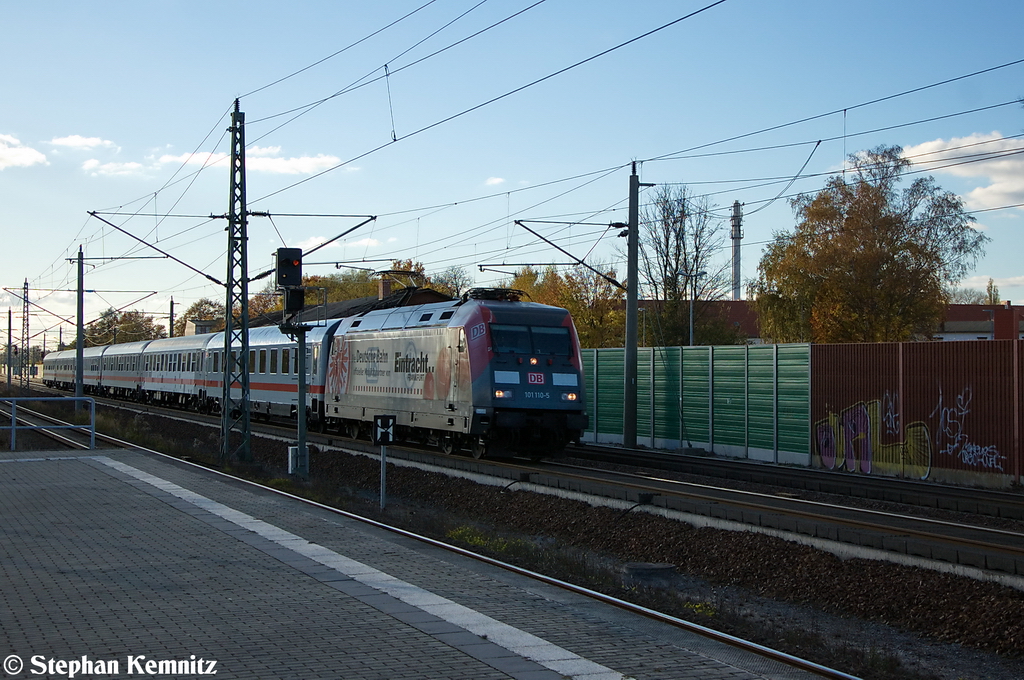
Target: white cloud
80, 142
193, 159
304, 165
494, 181
14, 154
96, 168
259, 159
263, 151
981, 282
1004, 174
314, 241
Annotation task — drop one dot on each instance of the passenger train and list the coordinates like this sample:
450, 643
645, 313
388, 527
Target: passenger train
487, 372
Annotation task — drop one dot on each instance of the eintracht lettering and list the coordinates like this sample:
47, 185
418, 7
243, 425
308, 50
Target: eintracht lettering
409, 364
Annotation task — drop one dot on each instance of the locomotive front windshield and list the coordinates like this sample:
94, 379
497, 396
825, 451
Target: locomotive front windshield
510, 339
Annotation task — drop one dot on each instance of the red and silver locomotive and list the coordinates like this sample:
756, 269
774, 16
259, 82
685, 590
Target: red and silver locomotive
487, 372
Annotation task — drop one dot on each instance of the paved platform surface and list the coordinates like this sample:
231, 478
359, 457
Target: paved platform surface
118, 563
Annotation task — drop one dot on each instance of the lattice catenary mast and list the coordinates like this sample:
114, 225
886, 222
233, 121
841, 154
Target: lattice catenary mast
26, 364
235, 415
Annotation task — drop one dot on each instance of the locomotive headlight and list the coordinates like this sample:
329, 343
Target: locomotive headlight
570, 396
503, 394
533, 361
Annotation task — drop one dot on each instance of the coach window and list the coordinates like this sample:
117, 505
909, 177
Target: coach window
273, 361
295, 362
263, 361
216, 356
316, 358
285, 354
252, 361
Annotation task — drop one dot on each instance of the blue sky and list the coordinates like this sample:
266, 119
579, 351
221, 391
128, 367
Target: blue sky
114, 106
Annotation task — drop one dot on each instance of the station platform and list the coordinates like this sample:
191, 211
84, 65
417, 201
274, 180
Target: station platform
120, 563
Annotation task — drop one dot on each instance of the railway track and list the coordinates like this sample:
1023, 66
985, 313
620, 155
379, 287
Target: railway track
764, 651
45, 431
991, 502
961, 546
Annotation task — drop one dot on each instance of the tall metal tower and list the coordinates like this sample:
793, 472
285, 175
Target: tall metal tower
26, 363
737, 236
235, 414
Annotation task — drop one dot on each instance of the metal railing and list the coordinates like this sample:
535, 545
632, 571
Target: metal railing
14, 427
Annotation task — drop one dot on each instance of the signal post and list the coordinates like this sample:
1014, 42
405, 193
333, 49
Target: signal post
289, 282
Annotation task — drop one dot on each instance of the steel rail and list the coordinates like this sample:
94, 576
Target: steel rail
49, 433
704, 631
777, 505
816, 480
861, 524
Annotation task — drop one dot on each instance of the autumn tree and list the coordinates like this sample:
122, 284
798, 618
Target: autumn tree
350, 285
203, 309
680, 235
543, 287
114, 327
453, 281
407, 273
991, 294
965, 296
266, 305
597, 306
867, 261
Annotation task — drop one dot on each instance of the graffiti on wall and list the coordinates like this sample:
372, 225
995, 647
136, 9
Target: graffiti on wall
865, 438
951, 439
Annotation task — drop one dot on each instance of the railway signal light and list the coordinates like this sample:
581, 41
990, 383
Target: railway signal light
294, 299
289, 267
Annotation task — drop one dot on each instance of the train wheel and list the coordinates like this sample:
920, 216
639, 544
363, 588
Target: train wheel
352, 429
449, 444
479, 449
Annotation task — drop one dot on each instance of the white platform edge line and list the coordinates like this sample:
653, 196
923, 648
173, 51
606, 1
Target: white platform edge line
520, 642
